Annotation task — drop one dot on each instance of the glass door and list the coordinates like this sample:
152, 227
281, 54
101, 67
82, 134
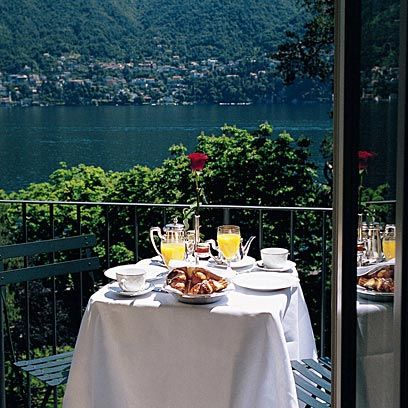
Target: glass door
369, 316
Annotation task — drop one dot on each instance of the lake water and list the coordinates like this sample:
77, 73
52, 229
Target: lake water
34, 140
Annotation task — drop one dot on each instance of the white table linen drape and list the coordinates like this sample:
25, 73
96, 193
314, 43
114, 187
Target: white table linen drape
154, 352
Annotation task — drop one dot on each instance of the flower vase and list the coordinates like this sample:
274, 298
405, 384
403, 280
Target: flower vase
361, 245
196, 236
360, 227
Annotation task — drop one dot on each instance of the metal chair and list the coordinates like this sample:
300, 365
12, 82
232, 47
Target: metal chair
52, 370
313, 382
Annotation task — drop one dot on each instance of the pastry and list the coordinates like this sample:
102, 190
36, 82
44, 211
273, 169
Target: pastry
193, 280
379, 281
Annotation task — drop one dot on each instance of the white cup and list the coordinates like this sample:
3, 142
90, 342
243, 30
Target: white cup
274, 257
131, 279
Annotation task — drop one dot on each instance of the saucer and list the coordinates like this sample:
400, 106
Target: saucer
147, 289
245, 262
288, 266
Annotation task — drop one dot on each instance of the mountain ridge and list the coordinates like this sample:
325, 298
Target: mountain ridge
135, 29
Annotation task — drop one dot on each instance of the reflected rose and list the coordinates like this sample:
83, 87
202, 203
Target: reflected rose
363, 157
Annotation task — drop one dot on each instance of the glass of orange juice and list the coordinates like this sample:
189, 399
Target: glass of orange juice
172, 249
388, 242
229, 240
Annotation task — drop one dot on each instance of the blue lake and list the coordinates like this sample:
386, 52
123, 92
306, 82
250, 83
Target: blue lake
33, 141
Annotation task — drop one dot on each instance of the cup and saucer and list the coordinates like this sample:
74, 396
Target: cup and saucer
275, 260
131, 283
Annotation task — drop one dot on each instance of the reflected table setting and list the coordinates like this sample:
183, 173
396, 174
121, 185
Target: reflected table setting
153, 351
375, 334
375, 387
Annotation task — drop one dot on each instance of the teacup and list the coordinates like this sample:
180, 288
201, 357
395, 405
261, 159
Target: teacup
274, 257
131, 279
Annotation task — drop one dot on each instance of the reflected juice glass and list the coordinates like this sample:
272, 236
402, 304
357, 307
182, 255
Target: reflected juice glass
389, 248
388, 243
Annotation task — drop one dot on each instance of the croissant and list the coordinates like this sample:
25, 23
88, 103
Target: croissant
206, 287
198, 277
387, 285
195, 290
181, 286
195, 280
178, 281
379, 281
386, 272
179, 277
216, 286
377, 284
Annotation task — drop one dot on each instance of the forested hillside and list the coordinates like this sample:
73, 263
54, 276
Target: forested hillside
131, 29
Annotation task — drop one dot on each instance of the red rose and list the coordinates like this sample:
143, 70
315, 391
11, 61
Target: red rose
197, 160
363, 157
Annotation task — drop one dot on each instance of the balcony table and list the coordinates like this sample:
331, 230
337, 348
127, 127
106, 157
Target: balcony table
153, 351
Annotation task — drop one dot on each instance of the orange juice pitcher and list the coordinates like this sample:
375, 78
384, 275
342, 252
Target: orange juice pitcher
172, 241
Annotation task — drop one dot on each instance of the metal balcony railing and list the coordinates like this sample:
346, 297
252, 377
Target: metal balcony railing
134, 208
24, 222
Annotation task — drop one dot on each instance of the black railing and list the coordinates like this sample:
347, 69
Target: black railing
226, 212
226, 216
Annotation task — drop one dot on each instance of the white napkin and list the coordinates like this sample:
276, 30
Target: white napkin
364, 270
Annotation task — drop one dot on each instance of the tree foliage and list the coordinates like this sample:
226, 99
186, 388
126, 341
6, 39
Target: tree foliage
309, 53
244, 168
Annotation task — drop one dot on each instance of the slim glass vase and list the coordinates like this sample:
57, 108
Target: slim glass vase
196, 237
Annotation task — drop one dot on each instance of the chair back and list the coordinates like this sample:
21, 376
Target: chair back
25, 274
53, 258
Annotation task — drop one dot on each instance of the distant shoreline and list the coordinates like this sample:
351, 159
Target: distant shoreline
375, 101
281, 103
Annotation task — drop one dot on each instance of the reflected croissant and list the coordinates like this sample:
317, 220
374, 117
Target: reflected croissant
380, 281
195, 280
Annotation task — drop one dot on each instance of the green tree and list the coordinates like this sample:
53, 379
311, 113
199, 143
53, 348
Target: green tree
309, 53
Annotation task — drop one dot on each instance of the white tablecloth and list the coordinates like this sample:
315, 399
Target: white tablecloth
154, 352
374, 354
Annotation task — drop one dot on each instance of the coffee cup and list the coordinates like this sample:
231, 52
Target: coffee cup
274, 257
131, 280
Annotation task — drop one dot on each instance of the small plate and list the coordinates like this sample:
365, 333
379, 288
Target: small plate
245, 262
288, 266
374, 296
153, 270
265, 281
148, 288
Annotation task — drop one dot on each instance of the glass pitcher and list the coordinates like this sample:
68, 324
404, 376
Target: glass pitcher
172, 241
388, 242
374, 253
